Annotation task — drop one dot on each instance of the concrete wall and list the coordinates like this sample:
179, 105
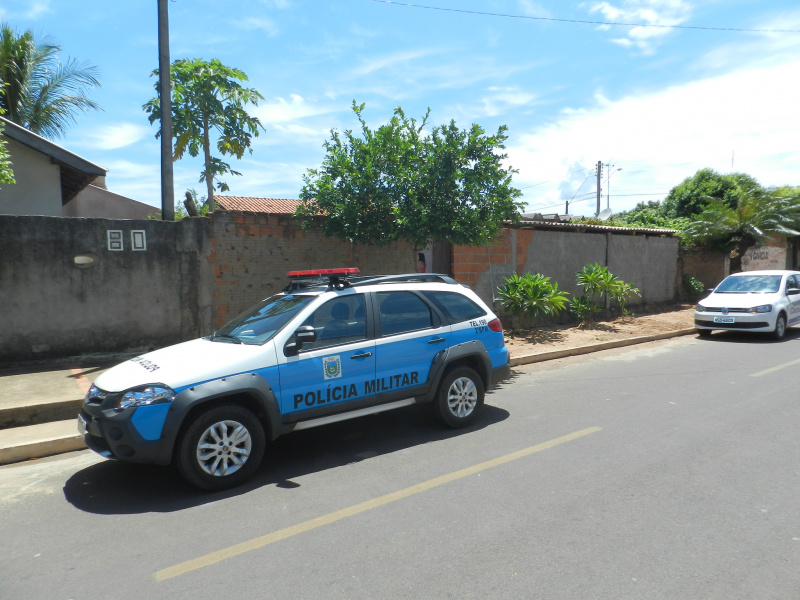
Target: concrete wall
648, 262
183, 280
124, 299
776, 254
37, 190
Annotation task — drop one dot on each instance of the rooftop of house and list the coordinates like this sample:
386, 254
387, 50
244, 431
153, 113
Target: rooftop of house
273, 206
283, 206
76, 171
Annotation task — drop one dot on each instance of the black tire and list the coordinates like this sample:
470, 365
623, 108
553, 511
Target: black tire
704, 332
459, 400
780, 327
221, 448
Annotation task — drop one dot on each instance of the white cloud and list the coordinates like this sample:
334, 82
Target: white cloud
644, 12
115, 136
756, 49
295, 108
499, 100
533, 9
392, 60
25, 9
661, 138
268, 26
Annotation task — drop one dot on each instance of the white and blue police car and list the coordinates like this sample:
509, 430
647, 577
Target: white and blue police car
332, 346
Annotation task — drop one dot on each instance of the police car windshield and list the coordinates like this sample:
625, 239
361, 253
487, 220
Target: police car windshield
257, 325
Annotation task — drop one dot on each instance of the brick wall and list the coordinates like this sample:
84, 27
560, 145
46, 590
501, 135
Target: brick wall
252, 252
649, 262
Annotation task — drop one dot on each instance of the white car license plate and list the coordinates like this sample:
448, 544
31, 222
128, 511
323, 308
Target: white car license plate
724, 320
81, 425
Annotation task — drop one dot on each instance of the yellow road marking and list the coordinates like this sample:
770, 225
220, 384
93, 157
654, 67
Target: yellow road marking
774, 369
276, 536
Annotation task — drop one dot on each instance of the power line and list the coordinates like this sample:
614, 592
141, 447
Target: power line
552, 180
608, 23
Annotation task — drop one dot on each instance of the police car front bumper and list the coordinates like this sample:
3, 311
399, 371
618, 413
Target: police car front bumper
115, 437
124, 435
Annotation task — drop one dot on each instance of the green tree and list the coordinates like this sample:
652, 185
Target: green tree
690, 196
756, 214
652, 214
6, 174
207, 100
397, 183
37, 91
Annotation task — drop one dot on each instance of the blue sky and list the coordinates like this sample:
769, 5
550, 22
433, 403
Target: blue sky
656, 104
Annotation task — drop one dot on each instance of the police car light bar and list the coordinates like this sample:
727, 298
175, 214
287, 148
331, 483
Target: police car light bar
324, 273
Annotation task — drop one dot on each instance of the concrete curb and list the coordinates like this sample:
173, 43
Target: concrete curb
37, 441
34, 414
543, 356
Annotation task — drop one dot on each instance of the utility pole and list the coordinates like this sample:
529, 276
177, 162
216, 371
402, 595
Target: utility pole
165, 102
599, 186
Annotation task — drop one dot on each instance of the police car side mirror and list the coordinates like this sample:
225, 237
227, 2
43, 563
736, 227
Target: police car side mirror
303, 334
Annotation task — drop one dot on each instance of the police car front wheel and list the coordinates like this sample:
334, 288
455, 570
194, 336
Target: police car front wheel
460, 397
221, 448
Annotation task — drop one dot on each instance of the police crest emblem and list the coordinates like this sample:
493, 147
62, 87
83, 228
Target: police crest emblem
332, 367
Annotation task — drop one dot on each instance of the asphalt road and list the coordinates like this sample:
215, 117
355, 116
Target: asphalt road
666, 470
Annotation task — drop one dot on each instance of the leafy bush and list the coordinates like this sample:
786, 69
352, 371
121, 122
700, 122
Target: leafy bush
693, 287
531, 295
583, 309
600, 284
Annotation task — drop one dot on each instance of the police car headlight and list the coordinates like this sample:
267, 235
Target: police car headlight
145, 396
764, 308
700, 308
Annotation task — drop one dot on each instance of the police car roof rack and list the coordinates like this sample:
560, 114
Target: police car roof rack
405, 278
337, 278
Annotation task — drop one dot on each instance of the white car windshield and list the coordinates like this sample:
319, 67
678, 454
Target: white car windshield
257, 325
750, 284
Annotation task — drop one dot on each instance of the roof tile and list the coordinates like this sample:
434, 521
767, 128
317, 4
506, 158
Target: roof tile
274, 206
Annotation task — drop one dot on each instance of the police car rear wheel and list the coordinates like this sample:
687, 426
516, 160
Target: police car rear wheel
460, 397
221, 448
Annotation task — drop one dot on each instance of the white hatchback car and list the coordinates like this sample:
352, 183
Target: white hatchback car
761, 301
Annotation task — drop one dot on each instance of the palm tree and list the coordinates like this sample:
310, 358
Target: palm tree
756, 215
37, 91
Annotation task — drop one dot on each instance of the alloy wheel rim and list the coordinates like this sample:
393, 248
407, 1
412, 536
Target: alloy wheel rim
462, 397
224, 448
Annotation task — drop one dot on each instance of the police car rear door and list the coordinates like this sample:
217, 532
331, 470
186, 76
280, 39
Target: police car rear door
409, 335
334, 372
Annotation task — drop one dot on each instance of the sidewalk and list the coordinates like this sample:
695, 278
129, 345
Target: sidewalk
39, 408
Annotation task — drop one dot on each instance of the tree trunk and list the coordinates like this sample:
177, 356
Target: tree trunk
208, 173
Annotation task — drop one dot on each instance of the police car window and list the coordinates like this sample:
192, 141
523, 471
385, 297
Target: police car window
338, 321
258, 325
455, 307
401, 312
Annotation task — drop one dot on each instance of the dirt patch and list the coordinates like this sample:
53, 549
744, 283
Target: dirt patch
546, 339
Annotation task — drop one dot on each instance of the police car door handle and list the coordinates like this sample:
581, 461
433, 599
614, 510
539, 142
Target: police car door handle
436, 340
365, 355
